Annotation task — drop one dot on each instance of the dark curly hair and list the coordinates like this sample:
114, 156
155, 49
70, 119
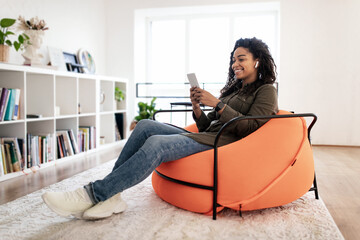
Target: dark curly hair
266, 69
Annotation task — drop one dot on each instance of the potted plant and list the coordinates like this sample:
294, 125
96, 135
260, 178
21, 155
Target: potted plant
6, 43
146, 111
119, 97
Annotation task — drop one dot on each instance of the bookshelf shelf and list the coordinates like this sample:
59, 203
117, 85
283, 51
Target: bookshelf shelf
65, 101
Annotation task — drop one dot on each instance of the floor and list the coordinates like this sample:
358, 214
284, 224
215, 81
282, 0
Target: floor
337, 171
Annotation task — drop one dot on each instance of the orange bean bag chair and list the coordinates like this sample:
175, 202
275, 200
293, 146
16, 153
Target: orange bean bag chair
271, 167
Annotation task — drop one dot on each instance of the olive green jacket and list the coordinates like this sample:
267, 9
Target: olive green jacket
262, 102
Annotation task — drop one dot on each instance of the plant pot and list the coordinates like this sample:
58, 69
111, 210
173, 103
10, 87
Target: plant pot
4, 53
133, 124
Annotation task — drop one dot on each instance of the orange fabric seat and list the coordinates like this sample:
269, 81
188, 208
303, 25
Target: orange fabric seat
271, 167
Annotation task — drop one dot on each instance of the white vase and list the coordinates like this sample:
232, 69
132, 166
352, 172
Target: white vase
31, 56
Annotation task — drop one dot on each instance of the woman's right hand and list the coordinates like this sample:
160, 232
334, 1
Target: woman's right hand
195, 102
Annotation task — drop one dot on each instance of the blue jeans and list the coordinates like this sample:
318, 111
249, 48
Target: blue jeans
150, 144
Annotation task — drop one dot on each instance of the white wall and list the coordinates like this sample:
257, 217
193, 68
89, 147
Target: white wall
319, 52
72, 25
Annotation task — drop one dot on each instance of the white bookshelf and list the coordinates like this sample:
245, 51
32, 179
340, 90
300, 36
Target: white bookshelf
44, 90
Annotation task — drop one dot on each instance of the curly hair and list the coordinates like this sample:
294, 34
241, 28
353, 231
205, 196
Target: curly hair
266, 70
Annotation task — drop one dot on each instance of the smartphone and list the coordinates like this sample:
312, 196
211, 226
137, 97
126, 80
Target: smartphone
193, 80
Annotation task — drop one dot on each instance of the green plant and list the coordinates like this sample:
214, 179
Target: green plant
146, 111
5, 23
119, 95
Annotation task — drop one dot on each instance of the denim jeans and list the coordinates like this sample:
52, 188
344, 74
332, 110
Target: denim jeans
150, 144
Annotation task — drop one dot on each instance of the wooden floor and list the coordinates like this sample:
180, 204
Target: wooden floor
337, 170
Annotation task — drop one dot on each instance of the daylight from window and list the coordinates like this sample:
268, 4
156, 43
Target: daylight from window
201, 44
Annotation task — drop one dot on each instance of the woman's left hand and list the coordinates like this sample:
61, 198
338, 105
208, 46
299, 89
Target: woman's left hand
206, 98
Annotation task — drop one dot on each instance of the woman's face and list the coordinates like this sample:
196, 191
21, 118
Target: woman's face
244, 65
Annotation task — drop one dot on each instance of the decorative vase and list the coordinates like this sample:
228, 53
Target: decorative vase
4, 53
31, 56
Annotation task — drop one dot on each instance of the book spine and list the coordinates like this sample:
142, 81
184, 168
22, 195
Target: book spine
2, 173
28, 147
8, 158
3, 101
73, 141
63, 145
10, 105
14, 157
3, 158
16, 104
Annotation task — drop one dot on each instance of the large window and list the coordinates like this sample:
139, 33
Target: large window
177, 41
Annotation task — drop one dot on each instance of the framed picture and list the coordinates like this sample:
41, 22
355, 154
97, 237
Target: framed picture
72, 63
87, 60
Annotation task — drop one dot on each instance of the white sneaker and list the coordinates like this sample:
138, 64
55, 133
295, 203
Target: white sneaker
68, 203
105, 209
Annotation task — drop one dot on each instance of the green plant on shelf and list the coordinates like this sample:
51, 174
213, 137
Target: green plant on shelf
119, 94
5, 25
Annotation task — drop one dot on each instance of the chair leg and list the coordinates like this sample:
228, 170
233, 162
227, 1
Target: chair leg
315, 187
240, 213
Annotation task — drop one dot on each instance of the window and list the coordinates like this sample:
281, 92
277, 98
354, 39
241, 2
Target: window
177, 41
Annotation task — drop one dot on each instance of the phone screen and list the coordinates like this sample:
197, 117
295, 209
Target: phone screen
193, 80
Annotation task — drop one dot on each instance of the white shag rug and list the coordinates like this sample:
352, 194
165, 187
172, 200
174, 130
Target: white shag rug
148, 217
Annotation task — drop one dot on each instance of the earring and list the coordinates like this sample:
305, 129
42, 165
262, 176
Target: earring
256, 64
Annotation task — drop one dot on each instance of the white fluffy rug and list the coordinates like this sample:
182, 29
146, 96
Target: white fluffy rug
148, 217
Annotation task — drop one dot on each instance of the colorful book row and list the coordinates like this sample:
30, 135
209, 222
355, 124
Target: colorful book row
12, 152
9, 104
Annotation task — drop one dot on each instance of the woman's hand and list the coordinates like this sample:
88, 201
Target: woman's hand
199, 95
194, 101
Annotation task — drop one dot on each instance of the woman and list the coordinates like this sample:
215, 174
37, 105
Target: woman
249, 91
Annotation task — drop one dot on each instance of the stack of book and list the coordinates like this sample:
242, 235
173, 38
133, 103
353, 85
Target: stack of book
40, 149
12, 152
86, 138
66, 143
9, 104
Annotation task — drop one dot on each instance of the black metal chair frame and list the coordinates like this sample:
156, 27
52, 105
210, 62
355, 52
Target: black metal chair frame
215, 179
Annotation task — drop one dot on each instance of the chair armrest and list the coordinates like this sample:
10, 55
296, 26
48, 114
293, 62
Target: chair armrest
265, 117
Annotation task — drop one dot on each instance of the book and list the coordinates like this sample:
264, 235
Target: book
86, 136
3, 102
16, 112
28, 148
73, 141
3, 158
21, 143
67, 141
14, 157
1, 162
35, 161
9, 166
59, 148
63, 145
10, 105
16, 147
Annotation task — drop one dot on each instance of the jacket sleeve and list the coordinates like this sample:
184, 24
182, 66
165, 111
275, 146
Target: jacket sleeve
265, 103
204, 121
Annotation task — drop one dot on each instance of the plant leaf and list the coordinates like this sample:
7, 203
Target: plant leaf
9, 33
8, 42
21, 39
7, 22
17, 45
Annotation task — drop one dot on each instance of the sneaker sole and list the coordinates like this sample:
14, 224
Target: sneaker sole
61, 212
122, 207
